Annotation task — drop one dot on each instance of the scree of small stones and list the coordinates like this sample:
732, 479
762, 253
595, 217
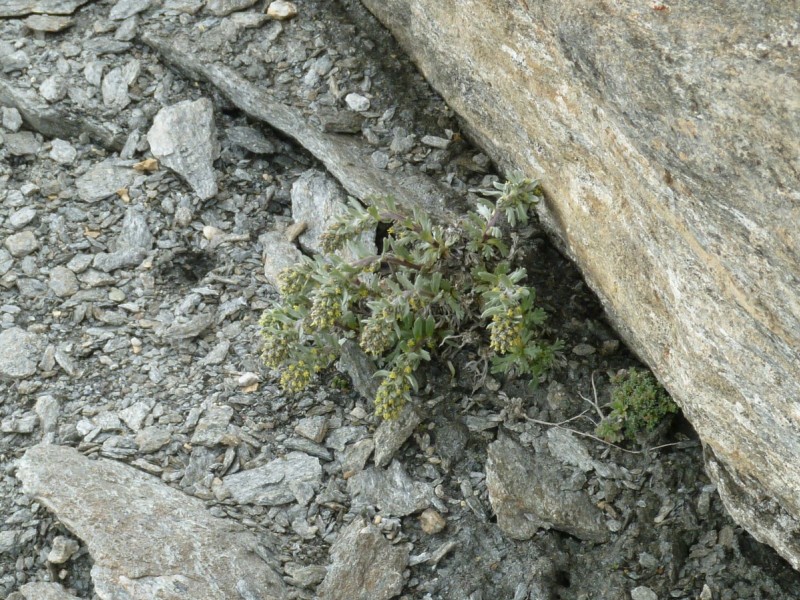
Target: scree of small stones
160, 161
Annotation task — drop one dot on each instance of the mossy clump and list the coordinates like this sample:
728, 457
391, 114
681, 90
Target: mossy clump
638, 404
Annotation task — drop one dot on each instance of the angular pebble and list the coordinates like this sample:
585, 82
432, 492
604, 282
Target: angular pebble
18, 219
280, 10
364, 565
63, 282
63, 152
22, 243
53, 89
357, 102
103, 180
222, 8
11, 118
528, 492
391, 490
173, 548
45, 591
184, 138
273, 484
19, 353
62, 550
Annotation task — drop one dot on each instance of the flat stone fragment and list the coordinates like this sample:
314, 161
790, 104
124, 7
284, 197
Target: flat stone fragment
22, 143
391, 490
278, 254
45, 591
174, 549
103, 180
392, 434
19, 353
317, 199
272, 484
250, 139
364, 565
213, 426
48, 23
116, 83
184, 138
20, 8
127, 8
528, 492
222, 8
312, 428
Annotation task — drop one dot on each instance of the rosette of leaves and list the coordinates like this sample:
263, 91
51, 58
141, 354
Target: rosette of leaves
429, 284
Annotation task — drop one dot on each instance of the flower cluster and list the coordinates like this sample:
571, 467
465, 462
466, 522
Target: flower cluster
296, 377
393, 393
278, 338
291, 281
377, 334
326, 308
506, 330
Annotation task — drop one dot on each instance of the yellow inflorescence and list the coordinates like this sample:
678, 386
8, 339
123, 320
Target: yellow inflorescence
326, 308
290, 281
506, 329
392, 395
295, 378
376, 335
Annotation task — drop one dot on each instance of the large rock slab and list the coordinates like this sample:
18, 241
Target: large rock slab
531, 491
147, 540
667, 140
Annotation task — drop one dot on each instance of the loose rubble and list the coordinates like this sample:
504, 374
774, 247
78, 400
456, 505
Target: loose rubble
160, 163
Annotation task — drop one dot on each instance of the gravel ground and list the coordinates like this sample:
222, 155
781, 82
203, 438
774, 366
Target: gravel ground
130, 292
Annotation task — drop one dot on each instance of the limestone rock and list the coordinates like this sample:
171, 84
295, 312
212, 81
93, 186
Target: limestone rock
221, 8
103, 180
672, 185
391, 490
19, 353
173, 549
278, 482
316, 200
45, 591
184, 138
20, 8
364, 565
529, 491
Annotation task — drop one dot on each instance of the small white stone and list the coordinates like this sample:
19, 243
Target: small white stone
247, 379
12, 120
643, 593
63, 549
210, 232
53, 88
281, 10
63, 152
22, 217
357, 102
